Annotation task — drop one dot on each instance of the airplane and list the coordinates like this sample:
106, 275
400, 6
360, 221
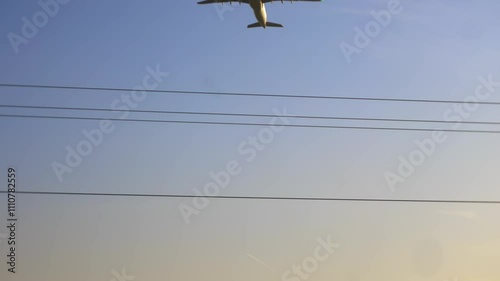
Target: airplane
259, 10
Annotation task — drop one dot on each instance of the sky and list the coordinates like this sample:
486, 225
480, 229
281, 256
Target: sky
440, 50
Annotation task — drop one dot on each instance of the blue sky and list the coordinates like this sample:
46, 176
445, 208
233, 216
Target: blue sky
431, 50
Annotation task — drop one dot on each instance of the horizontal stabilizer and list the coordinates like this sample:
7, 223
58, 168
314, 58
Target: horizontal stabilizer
257, 24
272, 24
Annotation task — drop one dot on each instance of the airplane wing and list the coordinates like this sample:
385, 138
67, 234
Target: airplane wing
222, 1
246, 1
282, 1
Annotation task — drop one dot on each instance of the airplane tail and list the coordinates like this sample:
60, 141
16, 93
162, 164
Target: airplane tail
270, 24
257, 24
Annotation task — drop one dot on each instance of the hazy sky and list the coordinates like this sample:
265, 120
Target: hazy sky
427, 50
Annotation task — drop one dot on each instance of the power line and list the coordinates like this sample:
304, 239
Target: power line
259, 197
249, 115
253, 124
244, 94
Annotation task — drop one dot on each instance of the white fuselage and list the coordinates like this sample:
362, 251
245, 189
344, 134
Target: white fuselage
259, 9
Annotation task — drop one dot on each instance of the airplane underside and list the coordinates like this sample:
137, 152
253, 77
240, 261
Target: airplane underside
259, 9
